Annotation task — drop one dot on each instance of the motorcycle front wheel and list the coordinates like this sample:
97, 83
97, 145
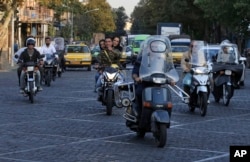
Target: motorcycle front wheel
227, 94
203, 103
109, 101
31, 93
161, 135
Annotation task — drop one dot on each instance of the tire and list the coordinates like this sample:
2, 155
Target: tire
203, 103
89, 68
161, 135
48, 78
227, 94
31, 93
109, 101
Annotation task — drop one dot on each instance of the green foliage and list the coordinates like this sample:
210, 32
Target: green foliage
120, 19
202, 19
102, 20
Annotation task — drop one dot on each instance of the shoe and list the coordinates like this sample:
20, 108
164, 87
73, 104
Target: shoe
21, 91
186, 101
39, 88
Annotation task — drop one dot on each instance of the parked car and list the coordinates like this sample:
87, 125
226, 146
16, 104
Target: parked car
128, 50
78, 55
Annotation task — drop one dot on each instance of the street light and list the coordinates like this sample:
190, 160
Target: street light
71, 29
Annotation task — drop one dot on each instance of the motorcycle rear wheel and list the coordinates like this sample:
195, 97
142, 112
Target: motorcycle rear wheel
109, 100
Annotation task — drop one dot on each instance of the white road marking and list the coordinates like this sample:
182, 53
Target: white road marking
213, 157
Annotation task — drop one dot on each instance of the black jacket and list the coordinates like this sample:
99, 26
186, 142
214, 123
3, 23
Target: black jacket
24, 56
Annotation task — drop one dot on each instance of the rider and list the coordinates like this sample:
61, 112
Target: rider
186, 67
29, 54
106, 58
224, 55
139, 84
17, 55
98, 73
48, 48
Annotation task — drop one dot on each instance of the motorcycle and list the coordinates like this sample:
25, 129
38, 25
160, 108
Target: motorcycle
30, 90
198, 79
60, 47
156, 70
226, 74
49, 69
110, 77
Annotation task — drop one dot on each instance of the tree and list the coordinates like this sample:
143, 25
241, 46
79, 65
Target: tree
102, 20
120, 18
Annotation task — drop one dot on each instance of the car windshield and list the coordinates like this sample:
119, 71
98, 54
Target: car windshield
179, 48
77, 49
137, 43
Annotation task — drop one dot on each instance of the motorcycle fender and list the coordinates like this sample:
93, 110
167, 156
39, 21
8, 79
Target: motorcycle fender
159, 116
106, 90
201, 89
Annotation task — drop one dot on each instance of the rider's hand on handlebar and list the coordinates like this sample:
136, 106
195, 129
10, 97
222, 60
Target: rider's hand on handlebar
138, 79
186, 70
172, 83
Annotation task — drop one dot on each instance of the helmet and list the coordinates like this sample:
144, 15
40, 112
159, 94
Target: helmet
30, 41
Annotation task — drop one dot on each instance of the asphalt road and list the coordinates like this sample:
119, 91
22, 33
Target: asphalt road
66, 123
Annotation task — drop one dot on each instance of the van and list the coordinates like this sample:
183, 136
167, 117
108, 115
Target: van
138, 39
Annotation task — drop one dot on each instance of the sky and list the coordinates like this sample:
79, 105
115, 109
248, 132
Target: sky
127, 4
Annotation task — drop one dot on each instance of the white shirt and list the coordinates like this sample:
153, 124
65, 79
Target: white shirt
48, 50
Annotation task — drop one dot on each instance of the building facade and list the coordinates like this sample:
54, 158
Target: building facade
33, 19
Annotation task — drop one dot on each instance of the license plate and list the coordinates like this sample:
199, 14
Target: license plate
30, 68
228, 72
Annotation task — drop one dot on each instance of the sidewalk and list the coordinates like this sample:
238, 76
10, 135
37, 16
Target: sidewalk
5, 66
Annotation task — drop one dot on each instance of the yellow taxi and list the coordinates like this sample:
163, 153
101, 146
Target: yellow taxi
179, 45
78, 55
123, 58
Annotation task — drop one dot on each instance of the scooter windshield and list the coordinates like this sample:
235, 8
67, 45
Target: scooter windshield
59, 43
156, 58
198, 56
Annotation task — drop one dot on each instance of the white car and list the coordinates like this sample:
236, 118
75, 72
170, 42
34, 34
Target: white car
128, 50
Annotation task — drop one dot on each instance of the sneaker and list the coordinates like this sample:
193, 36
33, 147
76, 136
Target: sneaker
186, 101
39, 88
21, 91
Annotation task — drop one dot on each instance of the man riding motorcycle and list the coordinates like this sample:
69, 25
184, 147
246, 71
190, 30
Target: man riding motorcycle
186, 67
106, 58
140, 85
30, 54
48, 48
18, 53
